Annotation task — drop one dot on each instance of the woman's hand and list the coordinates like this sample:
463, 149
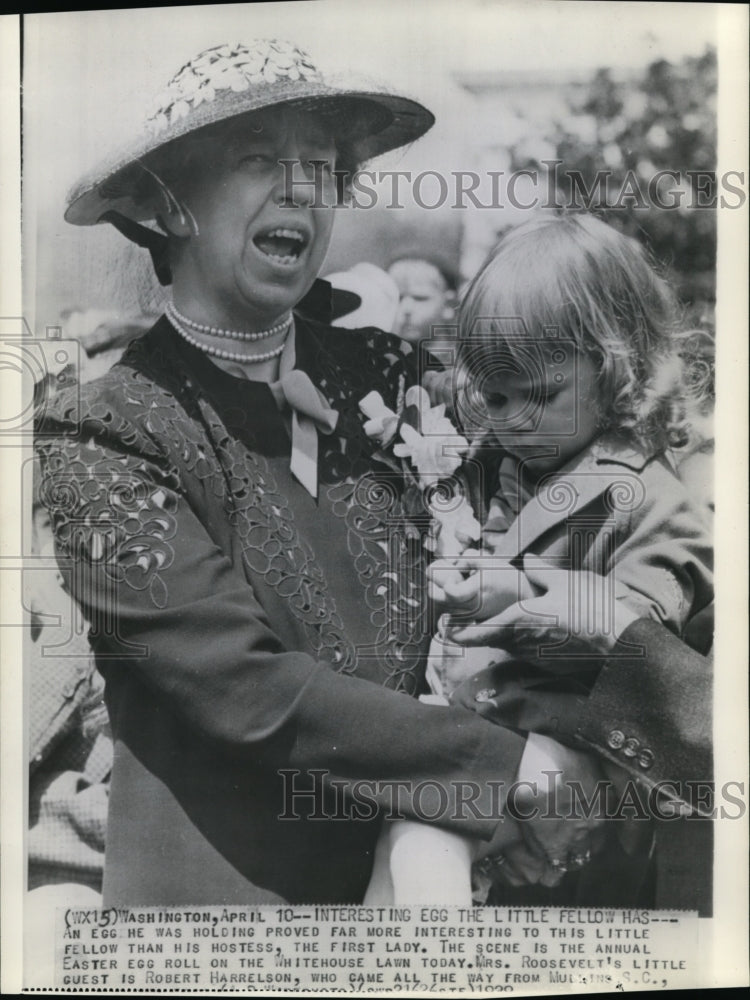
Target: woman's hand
557, 825
576, 612
519, 866
547, 829
508, 857
506, 833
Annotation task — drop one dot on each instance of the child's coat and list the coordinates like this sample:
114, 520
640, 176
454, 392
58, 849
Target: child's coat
622, 513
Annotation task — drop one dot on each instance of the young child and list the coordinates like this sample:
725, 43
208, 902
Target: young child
573, 389
427, 297
427, 303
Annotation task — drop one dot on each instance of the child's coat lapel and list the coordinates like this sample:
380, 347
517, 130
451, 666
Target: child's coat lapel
608, 465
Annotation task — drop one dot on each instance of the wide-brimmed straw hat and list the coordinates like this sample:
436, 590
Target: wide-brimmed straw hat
224, 82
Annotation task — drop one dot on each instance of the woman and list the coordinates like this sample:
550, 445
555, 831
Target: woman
256, 605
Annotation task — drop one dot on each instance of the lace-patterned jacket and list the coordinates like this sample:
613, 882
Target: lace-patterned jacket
248, 634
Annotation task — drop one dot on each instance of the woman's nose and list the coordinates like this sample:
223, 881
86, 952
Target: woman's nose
299, 183
302, 176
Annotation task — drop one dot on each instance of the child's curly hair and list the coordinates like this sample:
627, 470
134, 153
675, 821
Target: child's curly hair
590, 283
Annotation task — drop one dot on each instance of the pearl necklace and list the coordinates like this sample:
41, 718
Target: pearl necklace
218, 352
215, 331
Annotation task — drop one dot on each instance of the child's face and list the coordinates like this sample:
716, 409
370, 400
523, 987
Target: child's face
553, 406
423, 299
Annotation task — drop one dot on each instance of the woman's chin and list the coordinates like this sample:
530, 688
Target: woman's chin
270, 295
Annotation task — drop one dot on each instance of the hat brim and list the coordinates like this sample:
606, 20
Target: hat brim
397, 121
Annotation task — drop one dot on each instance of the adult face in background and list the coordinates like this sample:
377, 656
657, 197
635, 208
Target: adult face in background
424, 298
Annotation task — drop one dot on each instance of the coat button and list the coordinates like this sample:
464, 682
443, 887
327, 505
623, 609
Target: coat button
486, 694
630, 748
645, 759
616, 739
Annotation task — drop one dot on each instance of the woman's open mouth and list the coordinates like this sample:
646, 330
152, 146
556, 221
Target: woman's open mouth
282, 245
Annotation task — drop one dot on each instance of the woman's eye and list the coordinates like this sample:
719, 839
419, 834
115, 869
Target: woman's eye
321, 163
255, 158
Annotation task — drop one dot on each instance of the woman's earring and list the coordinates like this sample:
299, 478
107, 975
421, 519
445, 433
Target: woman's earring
187, 224
195, 231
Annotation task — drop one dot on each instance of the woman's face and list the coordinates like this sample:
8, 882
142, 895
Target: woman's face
258, 240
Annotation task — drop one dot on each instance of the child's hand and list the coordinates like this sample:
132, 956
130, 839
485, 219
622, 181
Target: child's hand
439, 386
445, 575
576, 611
478, 584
